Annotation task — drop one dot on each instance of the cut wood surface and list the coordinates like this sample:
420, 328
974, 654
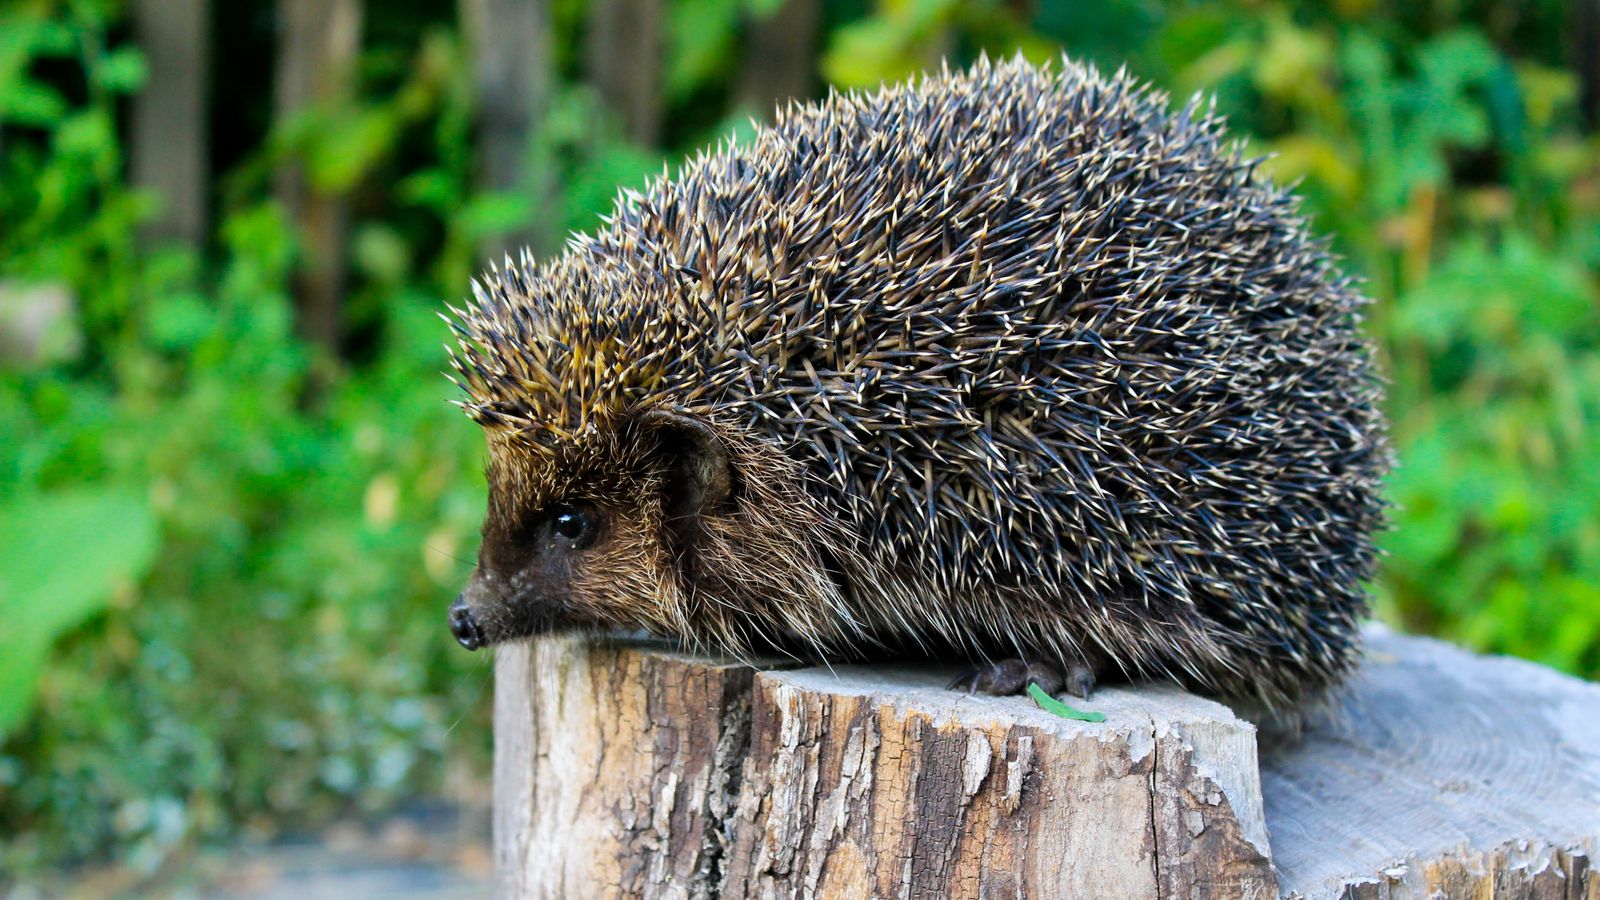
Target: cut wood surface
628, 769
1443, 774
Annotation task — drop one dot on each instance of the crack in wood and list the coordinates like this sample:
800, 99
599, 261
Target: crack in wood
1155, 830
639, 772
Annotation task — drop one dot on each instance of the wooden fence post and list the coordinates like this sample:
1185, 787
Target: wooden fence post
512, 66
318, 43
169, 136
623, 60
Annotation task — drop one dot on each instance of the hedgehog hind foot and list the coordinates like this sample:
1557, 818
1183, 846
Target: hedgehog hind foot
1012, 676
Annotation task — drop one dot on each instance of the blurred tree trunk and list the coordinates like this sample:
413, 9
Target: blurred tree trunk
318, 43
779, 53
1586, 60
512, 66
169, 116
624, 62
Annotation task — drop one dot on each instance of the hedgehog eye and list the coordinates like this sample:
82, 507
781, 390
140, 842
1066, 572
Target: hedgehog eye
574, 524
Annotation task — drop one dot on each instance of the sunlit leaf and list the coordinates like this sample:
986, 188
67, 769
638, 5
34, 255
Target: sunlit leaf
28, 102
700, 37
122, 71
61, 556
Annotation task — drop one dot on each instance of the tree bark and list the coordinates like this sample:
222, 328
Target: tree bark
873, 783
618, 768
169, 116
318, 44
635, 771
623, 770
624, 61
512, 66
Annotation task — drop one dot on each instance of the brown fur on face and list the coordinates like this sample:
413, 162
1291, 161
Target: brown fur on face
530, 578
696, 534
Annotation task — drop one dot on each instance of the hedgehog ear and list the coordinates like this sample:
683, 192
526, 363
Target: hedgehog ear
699, 476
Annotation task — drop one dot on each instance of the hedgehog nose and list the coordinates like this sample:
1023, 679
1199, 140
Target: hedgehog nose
464, 625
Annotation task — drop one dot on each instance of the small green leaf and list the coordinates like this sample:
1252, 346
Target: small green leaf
1051, 705
180, 320
30, 103
122, 71
381, 253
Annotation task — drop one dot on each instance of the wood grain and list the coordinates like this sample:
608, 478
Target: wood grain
625, 769
1445, 774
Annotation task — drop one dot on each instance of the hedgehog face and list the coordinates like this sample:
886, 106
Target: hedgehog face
594, 534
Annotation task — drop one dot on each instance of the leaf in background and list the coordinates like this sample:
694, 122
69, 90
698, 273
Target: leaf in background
61, 556
700, 37
904, 38
1429, 514
1210, 69
1481, 292
23, 99
866, 53
179, 319
29, 103
593, 189
497, 212
1303, 155
1544, 92
122, 71
349, 145
381, 253
1292, 64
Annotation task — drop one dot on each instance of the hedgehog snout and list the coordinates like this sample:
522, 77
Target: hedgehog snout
465, 626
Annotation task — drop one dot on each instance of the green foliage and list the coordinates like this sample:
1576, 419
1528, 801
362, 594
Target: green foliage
906, 37
1499, 540
240, 624
1454, 176
67, 552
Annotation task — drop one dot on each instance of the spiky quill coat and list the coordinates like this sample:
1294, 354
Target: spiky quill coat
1012, 362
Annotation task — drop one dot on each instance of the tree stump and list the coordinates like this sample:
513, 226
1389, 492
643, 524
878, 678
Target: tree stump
628, 769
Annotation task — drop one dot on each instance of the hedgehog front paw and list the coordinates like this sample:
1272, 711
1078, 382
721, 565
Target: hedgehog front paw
1012, 676
1079, 680
1006, 677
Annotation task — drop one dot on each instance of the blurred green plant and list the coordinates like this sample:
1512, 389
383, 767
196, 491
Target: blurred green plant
257, 643
1454, 176
67, 552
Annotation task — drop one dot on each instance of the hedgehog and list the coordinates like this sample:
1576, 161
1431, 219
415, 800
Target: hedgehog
1019, 367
